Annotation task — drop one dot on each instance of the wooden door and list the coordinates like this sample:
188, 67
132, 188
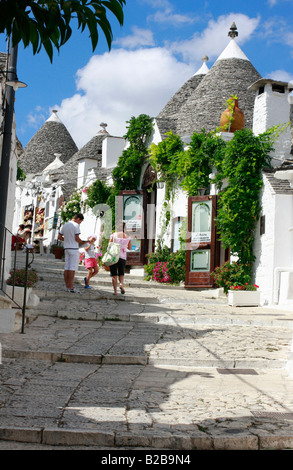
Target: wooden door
202, 247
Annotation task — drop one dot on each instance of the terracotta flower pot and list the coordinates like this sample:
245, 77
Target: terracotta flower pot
59, 252
238, 120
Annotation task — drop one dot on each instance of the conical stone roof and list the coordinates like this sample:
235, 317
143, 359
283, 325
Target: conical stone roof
172, 108
200, 102
51, 138
231, 74
69, 171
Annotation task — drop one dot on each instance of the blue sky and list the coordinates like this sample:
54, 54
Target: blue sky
159, 47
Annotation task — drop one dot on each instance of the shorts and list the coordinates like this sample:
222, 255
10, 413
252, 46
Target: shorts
71, 259
90, 263
118, 268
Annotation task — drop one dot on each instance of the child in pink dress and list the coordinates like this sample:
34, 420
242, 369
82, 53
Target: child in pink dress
90, 260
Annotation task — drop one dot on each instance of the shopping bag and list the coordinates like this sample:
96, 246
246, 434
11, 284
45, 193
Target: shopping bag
112, 254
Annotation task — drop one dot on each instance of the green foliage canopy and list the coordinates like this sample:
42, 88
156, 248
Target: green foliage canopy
48, 23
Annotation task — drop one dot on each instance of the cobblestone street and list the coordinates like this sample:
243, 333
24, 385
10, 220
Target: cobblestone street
158, 368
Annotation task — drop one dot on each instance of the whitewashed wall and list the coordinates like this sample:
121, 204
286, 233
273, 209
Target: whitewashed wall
274, 249
84, 166
264, 245
112, 148
272, 108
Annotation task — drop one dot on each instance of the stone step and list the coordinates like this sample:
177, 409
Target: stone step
11, 320
5, 302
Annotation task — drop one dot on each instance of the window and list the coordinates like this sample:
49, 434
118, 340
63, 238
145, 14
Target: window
262, 226
132, 210
261, 90
278, 88
200, 261
201, 221
176, 226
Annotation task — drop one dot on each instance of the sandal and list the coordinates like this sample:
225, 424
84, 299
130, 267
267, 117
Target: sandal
122, 290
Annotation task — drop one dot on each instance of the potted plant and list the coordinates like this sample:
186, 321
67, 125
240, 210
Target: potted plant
235, 278
244, 296
16, 283
58, 250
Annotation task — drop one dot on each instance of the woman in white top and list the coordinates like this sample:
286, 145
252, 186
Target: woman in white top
118, 269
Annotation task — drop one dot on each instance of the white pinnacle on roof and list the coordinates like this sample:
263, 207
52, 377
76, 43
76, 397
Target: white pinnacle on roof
232, 51
54, 117
55, 164
204, 68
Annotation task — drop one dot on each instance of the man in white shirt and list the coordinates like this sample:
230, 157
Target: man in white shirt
69, 233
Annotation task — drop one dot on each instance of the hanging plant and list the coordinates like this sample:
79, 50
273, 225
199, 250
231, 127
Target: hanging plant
239, 162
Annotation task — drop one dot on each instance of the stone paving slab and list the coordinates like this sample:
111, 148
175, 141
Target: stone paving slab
156, 343
147, 406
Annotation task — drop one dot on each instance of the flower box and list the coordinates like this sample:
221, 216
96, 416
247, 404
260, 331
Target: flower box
18, 294
244, 298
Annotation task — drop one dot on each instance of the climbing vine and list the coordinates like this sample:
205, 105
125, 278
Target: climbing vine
164, 159
126, 174
239, 203
194, 167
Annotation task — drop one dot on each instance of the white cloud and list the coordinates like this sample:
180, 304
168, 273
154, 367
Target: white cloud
214, 38
281, 75
167, 16
34, 120
115, 86
139, 38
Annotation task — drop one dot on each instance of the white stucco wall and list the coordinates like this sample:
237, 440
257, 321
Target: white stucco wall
83, 168
264, 245
271, 109
112, 148
283, 255
155, 137
274, 248
10, 198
